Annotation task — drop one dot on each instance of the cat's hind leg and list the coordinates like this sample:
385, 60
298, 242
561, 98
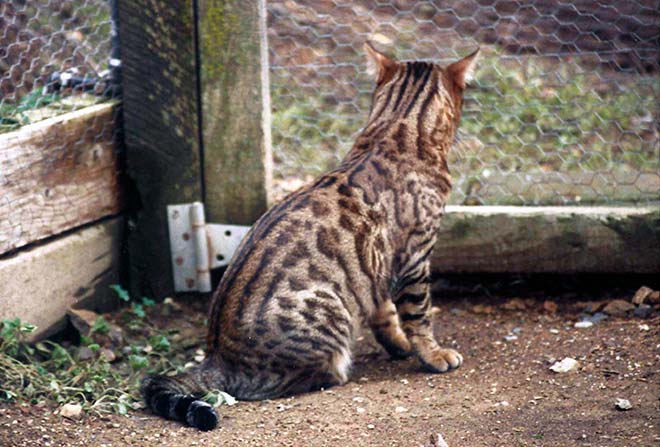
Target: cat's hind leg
413, 304
387, 330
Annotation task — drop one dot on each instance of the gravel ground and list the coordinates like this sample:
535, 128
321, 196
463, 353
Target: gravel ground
504, 394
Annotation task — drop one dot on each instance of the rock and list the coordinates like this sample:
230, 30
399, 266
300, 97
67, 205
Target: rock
483, 309
436, 441
644, 327
596, 318
654, 298
109, 355
591, 307
514, 304
84, 353
400, 410
642, 295
566, 365
618, 308
116, 335
510, 337
622, 404
550, 306
71, 411
642, 311
83, 320
583, 324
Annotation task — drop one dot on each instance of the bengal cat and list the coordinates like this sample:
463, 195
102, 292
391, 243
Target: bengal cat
352, 248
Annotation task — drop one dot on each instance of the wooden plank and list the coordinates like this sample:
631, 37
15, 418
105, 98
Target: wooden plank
40, 283
509, 239
56, 174
236, 109
161, 131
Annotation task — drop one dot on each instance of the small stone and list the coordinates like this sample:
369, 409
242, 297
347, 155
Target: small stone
642, 295
554, 331
371, 426
644, 327
404, 381
618, 308
566, 365
622, 404
109, 355
642, 311
550, 306
595, 318
71, 411
514, 304
84, 353
400, 409
361, 410
83, 320
483, 309
654, 298
583, 324
510, 337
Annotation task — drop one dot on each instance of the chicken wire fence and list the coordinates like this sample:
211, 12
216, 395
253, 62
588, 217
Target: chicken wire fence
56, 56
563, 110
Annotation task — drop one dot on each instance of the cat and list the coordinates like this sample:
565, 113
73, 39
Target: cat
352, 248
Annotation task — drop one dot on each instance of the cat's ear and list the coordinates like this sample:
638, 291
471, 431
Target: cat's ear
379, 66
462, 72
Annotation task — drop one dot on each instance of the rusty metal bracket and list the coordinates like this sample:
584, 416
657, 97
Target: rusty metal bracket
197, 247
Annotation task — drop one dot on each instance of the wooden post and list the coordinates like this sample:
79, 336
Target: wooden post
235, 109
160, 120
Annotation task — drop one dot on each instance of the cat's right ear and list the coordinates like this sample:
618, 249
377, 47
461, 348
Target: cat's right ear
380, 66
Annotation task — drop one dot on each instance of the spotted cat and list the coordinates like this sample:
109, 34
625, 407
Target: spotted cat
352, 248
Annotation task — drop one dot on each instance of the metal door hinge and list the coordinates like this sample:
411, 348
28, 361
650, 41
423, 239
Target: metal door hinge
197, 246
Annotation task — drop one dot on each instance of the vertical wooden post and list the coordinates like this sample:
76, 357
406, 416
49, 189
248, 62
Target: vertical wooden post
160, 119
235, 109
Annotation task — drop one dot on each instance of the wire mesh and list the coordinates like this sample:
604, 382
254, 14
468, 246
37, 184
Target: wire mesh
58, 161
54, 58
564, 108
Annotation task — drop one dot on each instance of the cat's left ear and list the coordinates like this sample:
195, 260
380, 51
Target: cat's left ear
380, 66
462, 72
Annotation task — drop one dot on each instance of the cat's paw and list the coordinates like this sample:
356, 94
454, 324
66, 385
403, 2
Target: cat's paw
397, 346
441, 360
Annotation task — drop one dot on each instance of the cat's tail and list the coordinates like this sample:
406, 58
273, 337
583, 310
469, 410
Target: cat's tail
179, 397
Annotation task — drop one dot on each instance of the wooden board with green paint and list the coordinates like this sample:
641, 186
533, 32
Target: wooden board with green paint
235, 109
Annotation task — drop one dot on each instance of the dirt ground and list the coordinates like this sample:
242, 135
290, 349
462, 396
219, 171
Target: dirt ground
503, 395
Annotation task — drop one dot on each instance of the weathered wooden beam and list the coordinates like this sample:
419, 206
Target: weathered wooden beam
56, 174
235, 109
40, 283
161, 128
509, 239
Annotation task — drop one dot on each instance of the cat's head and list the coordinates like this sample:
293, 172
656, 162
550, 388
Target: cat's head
419, 91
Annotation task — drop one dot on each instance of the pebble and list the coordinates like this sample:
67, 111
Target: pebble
644, 327
482, 309
554, 331
510, 337
622, 404
550, 306
583, 324
566, 365
618, 308
71, 411
514, 304
109, 355
371, 426
642, 295
84, 353
400, 409
642, 311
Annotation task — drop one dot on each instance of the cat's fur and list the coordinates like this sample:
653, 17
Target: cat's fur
351, 248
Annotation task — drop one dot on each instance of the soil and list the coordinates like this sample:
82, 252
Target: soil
503, 395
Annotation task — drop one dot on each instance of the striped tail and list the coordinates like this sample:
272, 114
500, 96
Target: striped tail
179, 397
